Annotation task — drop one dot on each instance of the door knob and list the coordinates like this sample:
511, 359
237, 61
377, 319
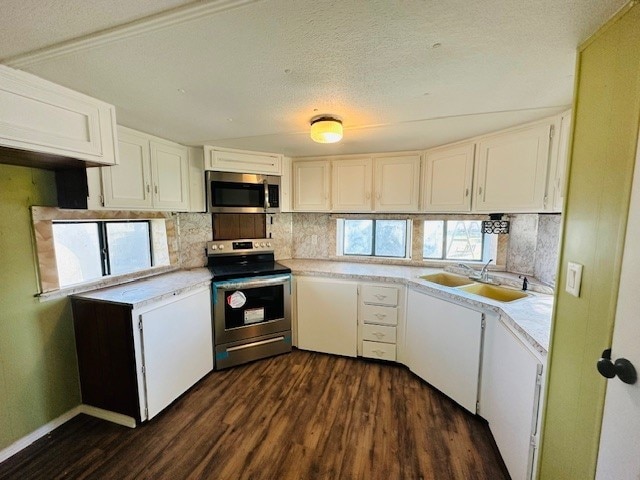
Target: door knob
622, 367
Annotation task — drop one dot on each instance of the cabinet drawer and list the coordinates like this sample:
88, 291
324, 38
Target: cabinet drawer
379, 315
382, 351
380, 295
379, 333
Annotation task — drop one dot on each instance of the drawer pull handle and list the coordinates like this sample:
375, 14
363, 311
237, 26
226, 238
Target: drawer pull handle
380, 316
378, 335
380, 297
379, 353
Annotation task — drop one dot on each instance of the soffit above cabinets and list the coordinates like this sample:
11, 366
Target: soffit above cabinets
250, 74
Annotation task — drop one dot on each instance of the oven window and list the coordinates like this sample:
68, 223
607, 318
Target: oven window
232, 194
259, 305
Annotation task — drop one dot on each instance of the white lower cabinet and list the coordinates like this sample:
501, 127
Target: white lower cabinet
443, 343
510, 397
327, 315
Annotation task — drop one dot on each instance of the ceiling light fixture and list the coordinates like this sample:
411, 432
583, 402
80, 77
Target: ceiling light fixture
326, 129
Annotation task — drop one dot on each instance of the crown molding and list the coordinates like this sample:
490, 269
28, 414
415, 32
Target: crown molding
138, 27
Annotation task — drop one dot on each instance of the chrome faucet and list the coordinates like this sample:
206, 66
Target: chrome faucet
484, 274
472, 272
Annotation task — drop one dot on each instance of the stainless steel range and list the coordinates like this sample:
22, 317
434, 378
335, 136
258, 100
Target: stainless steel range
251, 301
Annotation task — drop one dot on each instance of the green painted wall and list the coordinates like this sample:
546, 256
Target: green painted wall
606, 114
38, 367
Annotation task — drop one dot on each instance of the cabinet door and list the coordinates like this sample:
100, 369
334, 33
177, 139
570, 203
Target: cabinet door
242, 161
128, 184
558, 174
443, 346
177, 346
351, 185
170, 176
397, 181
509, 396
447, 181
311, 186
40, 116
327, 315
285, 186
511, 171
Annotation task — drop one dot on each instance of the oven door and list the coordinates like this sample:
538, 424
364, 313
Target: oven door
248, 308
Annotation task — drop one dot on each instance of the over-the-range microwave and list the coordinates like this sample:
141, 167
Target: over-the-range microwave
242, 193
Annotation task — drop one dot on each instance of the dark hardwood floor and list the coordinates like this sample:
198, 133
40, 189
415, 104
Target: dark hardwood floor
298, 416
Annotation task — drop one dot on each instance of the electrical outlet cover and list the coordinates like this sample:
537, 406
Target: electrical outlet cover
574, 279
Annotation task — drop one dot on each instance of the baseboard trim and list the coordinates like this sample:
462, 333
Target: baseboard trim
120, 419
38, 433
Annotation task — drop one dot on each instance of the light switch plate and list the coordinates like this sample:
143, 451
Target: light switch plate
574, 279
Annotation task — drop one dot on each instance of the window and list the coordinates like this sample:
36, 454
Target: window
377, 238
86, 251
460, 240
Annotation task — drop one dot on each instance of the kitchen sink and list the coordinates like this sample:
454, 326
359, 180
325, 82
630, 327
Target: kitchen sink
494, 292
447, 279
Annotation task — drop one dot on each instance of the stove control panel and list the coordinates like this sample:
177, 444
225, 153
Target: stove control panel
219, 247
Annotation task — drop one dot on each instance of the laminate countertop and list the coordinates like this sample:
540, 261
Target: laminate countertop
139, 293
530, 316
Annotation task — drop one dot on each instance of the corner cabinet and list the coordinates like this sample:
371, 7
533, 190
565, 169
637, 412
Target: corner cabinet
242, 161
448, 177
442, 346
511, 170
39, 116
510, 397
134, 362
327, 315
311, 186
153, 174
397, 183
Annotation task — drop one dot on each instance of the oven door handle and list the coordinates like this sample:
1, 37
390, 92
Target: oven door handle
256, 344
255, 283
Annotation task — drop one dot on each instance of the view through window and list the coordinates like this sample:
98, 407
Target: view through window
379, 238
453, 240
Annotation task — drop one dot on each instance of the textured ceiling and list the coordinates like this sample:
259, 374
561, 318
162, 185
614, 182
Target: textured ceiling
402, 75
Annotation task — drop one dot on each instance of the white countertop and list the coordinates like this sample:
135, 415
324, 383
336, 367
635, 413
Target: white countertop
530, 316
153, 289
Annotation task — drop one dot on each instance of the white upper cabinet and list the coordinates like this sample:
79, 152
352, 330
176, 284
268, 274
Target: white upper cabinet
242, 161
511, 170
448, 177
153, 173
285, 186
351, 184
311, 180
397, 183
40, 116
558, 163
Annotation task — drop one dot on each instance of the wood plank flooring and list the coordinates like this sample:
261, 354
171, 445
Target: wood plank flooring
298, 416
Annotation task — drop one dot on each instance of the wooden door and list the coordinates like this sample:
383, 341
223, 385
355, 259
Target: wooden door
128, 184
311, 186
397, 182
351, 185
448, 177
170, 175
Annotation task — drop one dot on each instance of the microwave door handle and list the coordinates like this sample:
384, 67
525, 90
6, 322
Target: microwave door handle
266, 195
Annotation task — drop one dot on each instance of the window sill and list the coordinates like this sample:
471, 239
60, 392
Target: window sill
103, 282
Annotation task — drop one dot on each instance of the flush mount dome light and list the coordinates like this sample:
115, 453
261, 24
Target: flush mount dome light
326, 129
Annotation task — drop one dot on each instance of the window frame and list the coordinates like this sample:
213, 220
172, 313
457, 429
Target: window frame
407, 238
486, 245
103, 245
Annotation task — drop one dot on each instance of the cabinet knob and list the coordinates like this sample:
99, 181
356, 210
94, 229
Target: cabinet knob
479, 190
155, 189
379, 353
148, 188
466, 192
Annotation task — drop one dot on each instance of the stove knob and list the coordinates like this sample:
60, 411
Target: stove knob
268, 244
214, 247
262, 244
220, 247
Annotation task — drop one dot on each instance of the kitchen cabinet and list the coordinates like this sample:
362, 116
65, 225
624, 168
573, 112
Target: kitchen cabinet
133, 362
448, 176
153, 174
558, 163
40, 116
511, 170
381, 321
443, 342
327, 315
510, 396
285, 186
351, 184
397, 183
242, 161
311, 185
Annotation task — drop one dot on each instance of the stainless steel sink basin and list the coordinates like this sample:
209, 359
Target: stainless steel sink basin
447, 279
500, 294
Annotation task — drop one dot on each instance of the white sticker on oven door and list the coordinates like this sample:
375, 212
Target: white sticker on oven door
253, 315
236, 300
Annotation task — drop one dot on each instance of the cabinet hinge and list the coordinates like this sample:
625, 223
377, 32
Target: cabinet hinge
539, 375
140, 324
146, 412
101, 199
477, 407
143, 369
483, 322
552, 131
533, 441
